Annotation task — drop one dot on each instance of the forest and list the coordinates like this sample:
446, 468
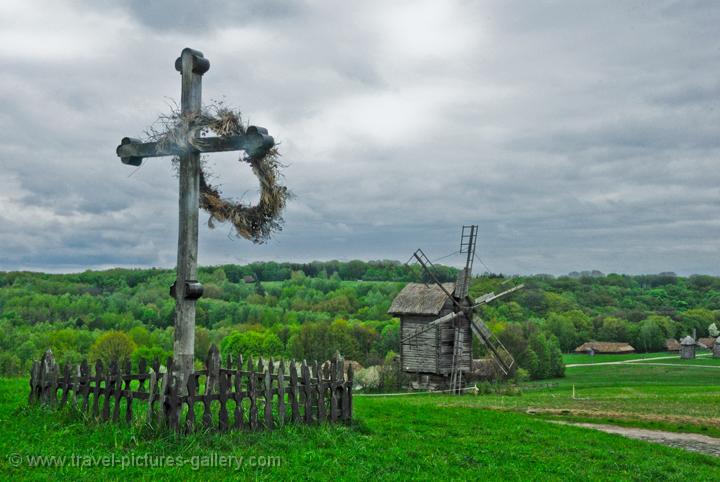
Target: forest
310, 311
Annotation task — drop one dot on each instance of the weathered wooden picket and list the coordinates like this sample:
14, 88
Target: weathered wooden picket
262, 396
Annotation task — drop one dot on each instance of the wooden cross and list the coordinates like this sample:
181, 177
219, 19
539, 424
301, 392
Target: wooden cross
255, 142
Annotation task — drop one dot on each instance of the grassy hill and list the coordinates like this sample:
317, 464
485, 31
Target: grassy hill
392, 439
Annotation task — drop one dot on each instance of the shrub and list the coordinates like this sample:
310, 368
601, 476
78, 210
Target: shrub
368, 378
113, 345
10, 365
150, 354
252, 343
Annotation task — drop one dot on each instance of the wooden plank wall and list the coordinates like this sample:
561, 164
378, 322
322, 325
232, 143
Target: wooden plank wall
419, 354
431, 352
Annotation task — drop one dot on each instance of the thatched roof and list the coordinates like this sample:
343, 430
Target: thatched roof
419, 299
605, 347
671, 344
706, 342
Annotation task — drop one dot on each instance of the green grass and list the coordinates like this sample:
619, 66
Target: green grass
400, 438
675, 397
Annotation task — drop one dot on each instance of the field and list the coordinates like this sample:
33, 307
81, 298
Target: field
419, 436
671, 394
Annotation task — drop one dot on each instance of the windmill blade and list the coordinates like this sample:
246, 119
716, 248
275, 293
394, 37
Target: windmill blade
488, 297
429, 269
480, 329
468, 241
420, 331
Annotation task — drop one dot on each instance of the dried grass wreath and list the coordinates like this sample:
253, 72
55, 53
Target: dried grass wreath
256, 223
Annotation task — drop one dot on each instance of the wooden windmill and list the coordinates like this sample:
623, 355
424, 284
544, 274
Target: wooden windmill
437, 324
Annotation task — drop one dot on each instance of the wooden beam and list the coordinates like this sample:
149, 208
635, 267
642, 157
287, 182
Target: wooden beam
255, 142
189, 203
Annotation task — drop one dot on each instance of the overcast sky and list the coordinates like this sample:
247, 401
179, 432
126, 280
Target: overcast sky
577, 135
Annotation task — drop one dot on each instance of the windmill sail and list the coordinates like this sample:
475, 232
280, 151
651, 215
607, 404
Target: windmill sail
467, 246
501, 355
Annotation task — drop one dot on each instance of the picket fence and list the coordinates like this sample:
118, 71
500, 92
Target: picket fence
265, 395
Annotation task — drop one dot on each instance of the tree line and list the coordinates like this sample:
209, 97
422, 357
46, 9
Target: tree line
311, 310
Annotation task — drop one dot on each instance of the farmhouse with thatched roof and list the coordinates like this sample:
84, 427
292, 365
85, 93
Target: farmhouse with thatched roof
671, 344
706, 342
606, 347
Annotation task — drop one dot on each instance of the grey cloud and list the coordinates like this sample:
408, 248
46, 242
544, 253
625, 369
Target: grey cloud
576, 136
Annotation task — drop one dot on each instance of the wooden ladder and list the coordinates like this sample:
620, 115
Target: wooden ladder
456, 373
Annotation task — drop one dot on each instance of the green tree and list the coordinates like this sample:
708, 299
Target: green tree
613, 329
252, 343
650, 336
562, 326
113, 345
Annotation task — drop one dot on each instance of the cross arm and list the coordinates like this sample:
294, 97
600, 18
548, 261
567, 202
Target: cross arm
255, 142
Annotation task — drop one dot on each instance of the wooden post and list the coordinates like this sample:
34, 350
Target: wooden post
192, 66
151, 395
305, 373
34, 382
142, 370
212, 363
190, 417
96, 389
66, 384
117, 391
105, 415
252, 382
163, 393
238, 395
333, 391
85, 384
76, 386
293, 392
322, 414
347, 396
129, 392
281, 393
49, 378
222, 397
268, 396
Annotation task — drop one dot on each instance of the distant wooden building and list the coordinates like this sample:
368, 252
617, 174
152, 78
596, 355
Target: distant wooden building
687, 348
429, 354
671, 344
706, 342
605, 347
249, 278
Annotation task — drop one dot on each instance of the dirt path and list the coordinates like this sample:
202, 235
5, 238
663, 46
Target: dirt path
688, 441
634, 360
